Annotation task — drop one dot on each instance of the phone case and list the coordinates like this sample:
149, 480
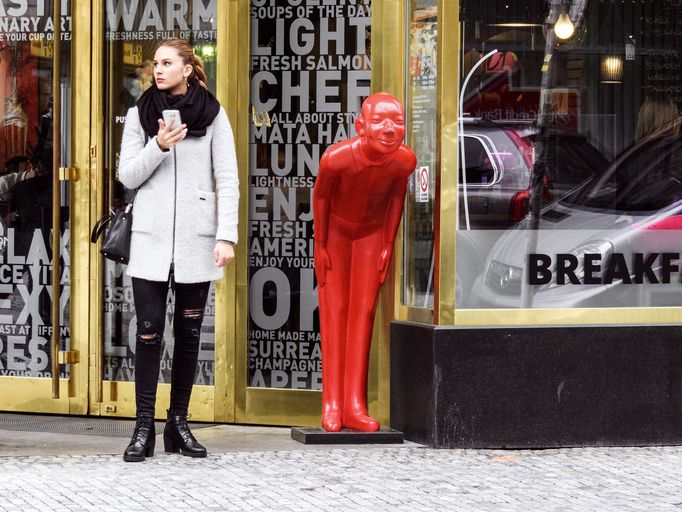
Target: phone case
171, 118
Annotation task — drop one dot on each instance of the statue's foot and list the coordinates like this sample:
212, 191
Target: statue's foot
360, 421
331, 421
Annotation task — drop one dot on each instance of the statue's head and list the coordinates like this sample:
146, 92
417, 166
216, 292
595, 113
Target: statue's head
381, 124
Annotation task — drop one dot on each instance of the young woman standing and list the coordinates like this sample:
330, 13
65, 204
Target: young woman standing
184, 229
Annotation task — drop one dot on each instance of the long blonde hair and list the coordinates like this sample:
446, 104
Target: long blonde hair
186, 53
657, 116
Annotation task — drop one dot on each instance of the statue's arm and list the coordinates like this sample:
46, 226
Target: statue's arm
393, 216
325, 183
322, 198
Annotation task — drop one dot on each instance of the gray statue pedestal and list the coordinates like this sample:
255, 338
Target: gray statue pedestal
316, 435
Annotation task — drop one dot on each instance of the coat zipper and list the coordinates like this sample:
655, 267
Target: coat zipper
175, 200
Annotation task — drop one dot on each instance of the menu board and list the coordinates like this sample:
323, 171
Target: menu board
662, 35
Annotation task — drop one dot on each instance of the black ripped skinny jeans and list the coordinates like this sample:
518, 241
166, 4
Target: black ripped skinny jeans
150, 307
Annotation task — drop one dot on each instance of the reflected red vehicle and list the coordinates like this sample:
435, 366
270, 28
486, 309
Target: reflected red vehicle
499, 159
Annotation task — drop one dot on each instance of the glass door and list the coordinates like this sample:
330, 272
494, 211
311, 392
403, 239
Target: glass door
131, 35
39, 371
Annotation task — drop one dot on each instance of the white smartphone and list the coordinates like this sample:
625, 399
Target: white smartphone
171, 118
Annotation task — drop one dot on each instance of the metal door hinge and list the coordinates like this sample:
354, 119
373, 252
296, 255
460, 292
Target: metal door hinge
68, 174
70, 357
109, 408
93, 151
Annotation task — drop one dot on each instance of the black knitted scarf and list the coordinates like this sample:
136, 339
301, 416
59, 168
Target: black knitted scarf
198, 107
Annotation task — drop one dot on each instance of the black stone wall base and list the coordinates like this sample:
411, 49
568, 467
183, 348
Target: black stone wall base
537, 387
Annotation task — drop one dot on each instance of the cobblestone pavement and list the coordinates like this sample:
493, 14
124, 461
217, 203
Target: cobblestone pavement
353, 479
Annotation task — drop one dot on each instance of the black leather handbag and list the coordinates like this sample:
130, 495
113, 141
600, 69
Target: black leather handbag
116, 245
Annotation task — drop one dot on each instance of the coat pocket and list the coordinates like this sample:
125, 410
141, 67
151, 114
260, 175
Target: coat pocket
206, 213
143, 211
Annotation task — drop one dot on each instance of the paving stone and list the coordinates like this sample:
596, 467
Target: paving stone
377, 479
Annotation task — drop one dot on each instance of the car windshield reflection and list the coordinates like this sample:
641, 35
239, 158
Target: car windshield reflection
645, 178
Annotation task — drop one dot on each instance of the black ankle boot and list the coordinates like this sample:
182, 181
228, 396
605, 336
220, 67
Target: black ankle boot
177, 437
143, 441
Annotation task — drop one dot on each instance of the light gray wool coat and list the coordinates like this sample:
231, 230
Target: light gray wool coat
187, 200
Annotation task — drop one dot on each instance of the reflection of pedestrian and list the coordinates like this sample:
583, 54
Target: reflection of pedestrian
135, 85
31, 202
184, 226
44, 128
144, 76
17, 168
658, 116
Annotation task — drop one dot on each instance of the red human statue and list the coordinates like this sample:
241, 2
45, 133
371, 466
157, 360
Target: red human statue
357, 203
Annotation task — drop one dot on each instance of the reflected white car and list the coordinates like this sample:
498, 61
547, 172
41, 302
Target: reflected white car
494, 193
622, 217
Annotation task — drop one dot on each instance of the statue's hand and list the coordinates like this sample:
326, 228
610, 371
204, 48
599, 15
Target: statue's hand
384, 262
322, 263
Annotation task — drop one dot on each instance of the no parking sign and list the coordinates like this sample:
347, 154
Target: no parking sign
423, 184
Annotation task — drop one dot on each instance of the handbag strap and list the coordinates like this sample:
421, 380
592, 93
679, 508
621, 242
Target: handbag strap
99, 228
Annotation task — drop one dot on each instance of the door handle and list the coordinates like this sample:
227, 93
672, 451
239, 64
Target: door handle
56, 192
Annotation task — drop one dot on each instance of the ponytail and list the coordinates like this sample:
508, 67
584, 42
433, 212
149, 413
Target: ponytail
199, 73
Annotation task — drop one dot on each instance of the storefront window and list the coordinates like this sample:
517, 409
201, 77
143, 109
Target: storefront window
570, 181
310, 72
421, 136
131, 38
26, 190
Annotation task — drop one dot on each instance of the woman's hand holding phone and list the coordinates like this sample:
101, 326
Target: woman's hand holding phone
168, 137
